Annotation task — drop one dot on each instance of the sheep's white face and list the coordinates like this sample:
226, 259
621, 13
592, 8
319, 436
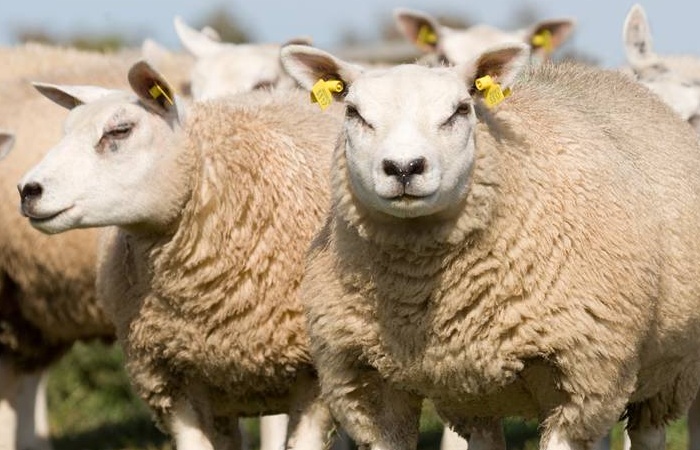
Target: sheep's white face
409, 144
105, 170
681, 91
238, 68
461, 46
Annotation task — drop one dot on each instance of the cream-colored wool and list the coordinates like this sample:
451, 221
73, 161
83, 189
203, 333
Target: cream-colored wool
208, 309
567, 289
47, 297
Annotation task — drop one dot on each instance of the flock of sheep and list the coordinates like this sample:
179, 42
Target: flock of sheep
485, 229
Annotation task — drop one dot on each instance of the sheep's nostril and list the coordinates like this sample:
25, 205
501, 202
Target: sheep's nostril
391, 168
30, 191
416, 166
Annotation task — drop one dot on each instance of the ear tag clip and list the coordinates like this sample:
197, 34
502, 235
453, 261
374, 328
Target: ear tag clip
322, 92
543, 40
493, 94
157, 91
426, 36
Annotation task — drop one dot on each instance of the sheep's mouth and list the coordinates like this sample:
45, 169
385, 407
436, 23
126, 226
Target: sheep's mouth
43, 218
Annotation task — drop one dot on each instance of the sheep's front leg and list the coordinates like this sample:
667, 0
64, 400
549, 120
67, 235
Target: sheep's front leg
186, 427
310, 421
32, 412
374, 413
647, 438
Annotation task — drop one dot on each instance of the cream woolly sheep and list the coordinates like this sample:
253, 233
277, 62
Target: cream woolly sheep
48, 294
225, 68
200, 274
458, 46
675, 78
535, 259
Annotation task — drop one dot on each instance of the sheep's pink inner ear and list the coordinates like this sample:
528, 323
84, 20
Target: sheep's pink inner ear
418, 29
151, 87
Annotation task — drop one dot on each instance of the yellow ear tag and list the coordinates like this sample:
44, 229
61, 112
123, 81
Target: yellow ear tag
493, 94
426, 36
157, 91
322, 92
543, 39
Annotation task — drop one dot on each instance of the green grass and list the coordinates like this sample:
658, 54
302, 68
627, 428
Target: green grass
92, 407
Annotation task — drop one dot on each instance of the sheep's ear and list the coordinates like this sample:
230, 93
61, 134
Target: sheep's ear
211, 33
548, 35
198, 43
152, 89
154, 52
307, 65
422, 29
71, 96
299, 40
502, 64
636, 35
7, 141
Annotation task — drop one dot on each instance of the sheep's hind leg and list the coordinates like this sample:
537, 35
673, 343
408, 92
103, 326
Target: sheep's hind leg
647, 438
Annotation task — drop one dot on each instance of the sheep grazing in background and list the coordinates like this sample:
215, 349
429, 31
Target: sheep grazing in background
226, 68
457, 46
201, 269
674, 78
505, 249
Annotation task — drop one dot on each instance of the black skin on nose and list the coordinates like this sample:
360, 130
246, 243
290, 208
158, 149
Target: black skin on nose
404, 171
31, 190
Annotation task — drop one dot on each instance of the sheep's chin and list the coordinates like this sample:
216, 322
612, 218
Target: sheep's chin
56, 223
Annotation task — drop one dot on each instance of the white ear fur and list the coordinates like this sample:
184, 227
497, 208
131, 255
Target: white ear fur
7, 141
198, 43
71, 96
636, 36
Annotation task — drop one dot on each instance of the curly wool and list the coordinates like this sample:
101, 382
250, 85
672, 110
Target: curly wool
566, 289
213, 302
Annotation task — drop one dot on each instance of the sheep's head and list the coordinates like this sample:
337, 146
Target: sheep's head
226, 68
408, 131
675, 80
458, 46
113, 165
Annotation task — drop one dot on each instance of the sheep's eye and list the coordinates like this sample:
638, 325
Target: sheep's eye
462, 110
351, 113
264, 85
121, 131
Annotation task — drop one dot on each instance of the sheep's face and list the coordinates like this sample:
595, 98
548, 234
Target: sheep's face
238, 68
409, 143
461, 46
104, 171
117, 163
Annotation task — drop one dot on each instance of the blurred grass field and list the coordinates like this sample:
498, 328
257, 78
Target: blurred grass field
92, 407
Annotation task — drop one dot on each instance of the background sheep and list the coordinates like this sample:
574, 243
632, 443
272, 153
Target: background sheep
493, 264
674, 78
457, 46
227, 68
200, 275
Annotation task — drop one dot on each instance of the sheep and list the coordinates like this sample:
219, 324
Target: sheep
457, 46
48, 294
675, 78
198, 270
531, 253
226, 68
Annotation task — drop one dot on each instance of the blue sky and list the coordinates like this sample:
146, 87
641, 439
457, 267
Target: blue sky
598, 33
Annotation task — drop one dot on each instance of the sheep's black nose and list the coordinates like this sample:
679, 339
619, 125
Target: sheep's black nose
30, 191
404, 172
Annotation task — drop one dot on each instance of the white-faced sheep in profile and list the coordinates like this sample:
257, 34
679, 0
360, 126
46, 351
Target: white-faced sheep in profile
213, 212
535, 259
